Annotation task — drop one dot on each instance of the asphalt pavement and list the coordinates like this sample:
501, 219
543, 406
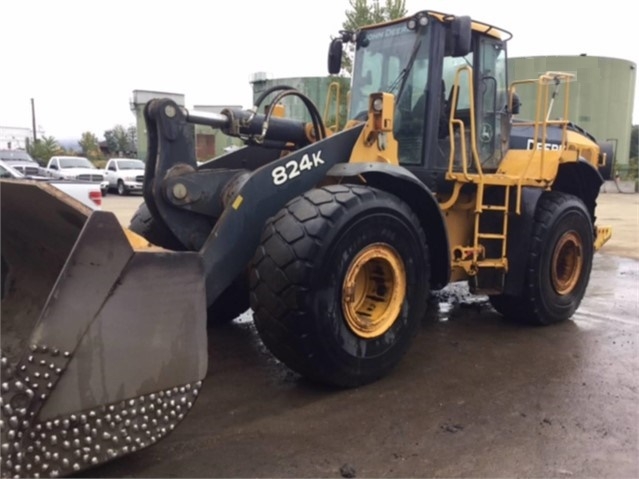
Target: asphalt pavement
475, 396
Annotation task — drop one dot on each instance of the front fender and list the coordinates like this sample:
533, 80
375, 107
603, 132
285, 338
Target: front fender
405, 185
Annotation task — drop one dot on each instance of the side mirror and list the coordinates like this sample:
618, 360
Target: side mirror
515, 105
461, 33
335, 56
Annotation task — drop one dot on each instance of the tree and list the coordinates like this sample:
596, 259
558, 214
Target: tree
132, 135
91, 147
122, 141
367, 12
111, 141
44, 148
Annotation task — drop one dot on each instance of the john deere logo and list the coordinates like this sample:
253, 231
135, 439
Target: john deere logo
530, 145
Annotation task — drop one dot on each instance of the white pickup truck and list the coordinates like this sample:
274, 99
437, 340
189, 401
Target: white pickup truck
21, 160
76, 168
86, 192
125, 175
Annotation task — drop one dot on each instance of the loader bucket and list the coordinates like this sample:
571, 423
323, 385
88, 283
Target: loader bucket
103, 335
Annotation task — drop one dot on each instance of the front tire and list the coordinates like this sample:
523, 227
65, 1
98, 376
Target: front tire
122, 191
340, 283
559, 263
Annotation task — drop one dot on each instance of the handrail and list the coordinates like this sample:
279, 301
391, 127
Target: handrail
453, 197
455, 121
543, 83
542, 120
451, 158
333, 88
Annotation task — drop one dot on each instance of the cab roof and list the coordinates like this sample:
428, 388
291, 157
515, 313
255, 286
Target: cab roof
477, 26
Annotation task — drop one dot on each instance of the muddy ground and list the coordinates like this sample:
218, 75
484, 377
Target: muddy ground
475, 397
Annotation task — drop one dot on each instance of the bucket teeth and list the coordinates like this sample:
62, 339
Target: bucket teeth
73, 442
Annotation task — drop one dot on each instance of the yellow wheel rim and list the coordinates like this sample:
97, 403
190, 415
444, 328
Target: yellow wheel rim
373, 291
567, 263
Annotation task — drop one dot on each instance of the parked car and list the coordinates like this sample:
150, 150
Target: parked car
125, 175
21, 161
76, 168
104, 186
84, 191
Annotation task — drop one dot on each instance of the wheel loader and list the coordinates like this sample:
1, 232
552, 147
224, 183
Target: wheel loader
334, 239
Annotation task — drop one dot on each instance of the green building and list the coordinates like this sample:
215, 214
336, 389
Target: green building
208, 142
601, 96
315, 88
211, 142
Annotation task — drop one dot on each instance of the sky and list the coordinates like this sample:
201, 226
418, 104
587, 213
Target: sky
81, 60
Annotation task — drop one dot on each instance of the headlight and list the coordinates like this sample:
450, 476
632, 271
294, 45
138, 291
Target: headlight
129, 178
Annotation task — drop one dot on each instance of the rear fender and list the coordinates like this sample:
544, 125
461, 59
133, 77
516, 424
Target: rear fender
582, 180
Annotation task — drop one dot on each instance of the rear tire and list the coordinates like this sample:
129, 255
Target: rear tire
559, 263
340, 283
233, 301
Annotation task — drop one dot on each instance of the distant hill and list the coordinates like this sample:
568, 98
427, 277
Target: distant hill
70, 144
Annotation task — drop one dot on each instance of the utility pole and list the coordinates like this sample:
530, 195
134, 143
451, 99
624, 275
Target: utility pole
33, 122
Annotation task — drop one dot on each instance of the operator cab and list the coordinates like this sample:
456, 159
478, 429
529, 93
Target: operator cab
422, 60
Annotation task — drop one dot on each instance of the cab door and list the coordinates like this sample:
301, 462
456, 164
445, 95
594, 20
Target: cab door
491, 100
482, 96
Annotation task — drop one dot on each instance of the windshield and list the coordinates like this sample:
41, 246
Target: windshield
131, 164
76, 162
393, 59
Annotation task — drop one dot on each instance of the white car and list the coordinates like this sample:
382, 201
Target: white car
125, 175
86, 192
104, 185
75, 168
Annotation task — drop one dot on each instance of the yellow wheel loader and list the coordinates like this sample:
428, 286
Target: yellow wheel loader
333, 239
